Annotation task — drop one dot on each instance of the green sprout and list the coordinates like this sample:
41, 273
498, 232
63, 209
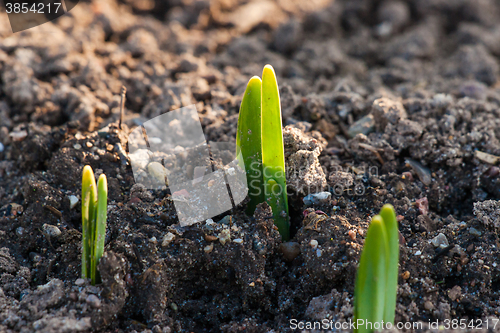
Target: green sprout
94, 214
377, 278
259, 140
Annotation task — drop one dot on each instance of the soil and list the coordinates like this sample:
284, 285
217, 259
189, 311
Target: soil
387, 101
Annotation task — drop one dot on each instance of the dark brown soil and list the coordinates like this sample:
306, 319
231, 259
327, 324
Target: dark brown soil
421, 76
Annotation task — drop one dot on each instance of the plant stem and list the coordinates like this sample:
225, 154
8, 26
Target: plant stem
391, 226
273, 158
248, 141
100, 228
89, 195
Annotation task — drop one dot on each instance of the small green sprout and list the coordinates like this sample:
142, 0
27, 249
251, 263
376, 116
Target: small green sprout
377, 277
259, 139
94, 214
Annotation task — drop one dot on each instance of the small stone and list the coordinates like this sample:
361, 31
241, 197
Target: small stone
364, 126
18, 135
89, 144
174, 306
428, 306
422, 172
455, 292
352, 234
93, 301
474, 232
290, 250
1, 147
238, 241
317, 198
77, 146
440, 241
73, 201
209, 222
228, 219
418, 253
51, 230
79, 282
158, 172
208, 248
422, 205
153, 240
405, 275
167, 239
252, 284
313, 243
385, 111
210, 238
224, 236
155, 140
480, 261
318, 253
441, 100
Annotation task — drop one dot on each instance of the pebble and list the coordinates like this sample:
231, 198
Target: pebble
317, 198
428, 305
153, 240
313, 243
364, 126
228, 219
158, 172
455, 293
418, 253
440, 241
474, 232
18, 136
318, 253
93, 301
208, 248
77, 146
155, 140
422, 205
209, 222
73, 201
405, 275
1, 147
290, 250
167, 239
422, 172
210, 238
51, 230
224, 236
79, 282
238, 241
139, 159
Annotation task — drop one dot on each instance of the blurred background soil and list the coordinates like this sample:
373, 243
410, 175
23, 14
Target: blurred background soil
387, 101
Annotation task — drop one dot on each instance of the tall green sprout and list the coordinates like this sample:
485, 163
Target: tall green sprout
94, 214
259, 139
377, 277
